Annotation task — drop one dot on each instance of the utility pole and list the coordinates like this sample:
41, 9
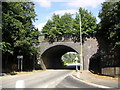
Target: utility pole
81, 58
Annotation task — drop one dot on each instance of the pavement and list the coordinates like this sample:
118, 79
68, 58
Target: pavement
97, 80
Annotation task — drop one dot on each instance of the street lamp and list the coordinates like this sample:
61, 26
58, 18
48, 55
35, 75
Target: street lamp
81, 60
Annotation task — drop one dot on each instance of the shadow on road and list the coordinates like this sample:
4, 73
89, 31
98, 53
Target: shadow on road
72, 67
68, 67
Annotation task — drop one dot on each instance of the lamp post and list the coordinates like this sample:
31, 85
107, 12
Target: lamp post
81, 58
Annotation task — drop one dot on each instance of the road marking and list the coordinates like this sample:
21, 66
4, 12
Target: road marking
92, 84
20, 84
53, 84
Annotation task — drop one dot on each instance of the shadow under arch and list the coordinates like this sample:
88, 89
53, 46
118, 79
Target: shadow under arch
52, 56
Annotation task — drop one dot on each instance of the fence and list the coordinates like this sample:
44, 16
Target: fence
111, 71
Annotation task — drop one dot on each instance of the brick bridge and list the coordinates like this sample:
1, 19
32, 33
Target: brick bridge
51, 53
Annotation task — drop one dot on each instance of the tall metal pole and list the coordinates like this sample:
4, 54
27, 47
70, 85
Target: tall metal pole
81, 58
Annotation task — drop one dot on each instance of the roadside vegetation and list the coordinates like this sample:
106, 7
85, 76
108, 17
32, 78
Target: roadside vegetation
68, 26
108, 36
19, 36
69, 58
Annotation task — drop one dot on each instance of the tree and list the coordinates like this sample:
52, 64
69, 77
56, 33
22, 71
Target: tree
52, 28
70, 57
108, 34
66, 22
110, 24
18, 34
66, 25
88, 23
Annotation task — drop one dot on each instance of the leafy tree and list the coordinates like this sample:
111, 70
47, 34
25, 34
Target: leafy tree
67, 25
70, 58
18, 34
108, 34
110, 21
88, 22
52, 27
66, 22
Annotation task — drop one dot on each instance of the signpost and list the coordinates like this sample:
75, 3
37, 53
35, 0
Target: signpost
20, 62
76, 61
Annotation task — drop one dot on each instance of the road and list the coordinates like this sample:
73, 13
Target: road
46, 79
37, 80
70, 82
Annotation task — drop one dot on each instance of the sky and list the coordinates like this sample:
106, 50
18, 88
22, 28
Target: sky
46, 8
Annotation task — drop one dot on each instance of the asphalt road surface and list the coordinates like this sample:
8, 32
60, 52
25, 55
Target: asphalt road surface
45, 79
70, 82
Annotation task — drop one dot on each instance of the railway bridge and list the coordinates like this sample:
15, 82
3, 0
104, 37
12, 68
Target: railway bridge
51, 53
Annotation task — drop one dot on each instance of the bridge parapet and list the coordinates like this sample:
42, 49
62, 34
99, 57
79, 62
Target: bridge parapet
64, 38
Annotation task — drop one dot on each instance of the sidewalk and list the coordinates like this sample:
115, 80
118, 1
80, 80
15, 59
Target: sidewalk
97, 79
19, 73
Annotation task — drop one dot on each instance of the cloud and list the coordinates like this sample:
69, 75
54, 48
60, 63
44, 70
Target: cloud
84, 3
40, 26
62, 12
72, 3
44, 3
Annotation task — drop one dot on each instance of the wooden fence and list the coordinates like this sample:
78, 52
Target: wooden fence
111, 71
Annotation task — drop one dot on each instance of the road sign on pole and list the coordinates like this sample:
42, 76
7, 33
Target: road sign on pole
20, 63
20, 57
76, 61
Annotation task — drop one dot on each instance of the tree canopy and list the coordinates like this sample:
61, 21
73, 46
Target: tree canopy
110, 22
18, 32
66, 24
108, 34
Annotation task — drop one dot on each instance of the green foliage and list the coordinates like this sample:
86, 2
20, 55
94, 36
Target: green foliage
108, 34
18, 32
66, 24
110, 21
70, 58
88, 22
52, 28
5, 47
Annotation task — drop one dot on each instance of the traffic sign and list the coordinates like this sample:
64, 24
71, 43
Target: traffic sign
19, 57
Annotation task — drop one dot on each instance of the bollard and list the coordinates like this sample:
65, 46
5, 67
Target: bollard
20, 84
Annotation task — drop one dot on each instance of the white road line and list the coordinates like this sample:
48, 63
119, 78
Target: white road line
53, 84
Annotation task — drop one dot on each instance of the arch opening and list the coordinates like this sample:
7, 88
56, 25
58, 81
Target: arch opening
52, 57
71, 59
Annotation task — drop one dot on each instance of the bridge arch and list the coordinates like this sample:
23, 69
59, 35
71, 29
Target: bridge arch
52, 55
57, 49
